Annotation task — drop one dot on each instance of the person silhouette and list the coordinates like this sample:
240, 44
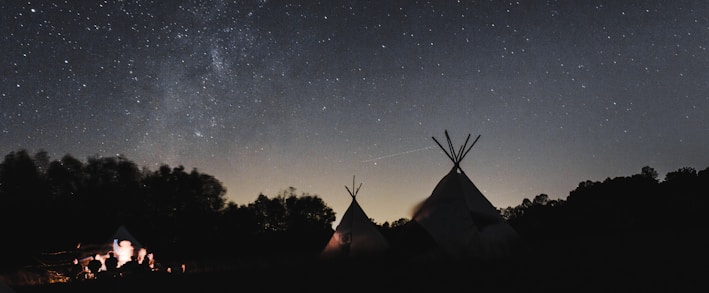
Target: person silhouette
111, 264
130, 267
95, 265
76, 269
143, 260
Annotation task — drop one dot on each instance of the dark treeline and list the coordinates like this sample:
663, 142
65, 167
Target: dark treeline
636, 206
50, 205
633, 229
53, 205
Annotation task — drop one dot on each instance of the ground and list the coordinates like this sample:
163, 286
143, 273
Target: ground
528, 275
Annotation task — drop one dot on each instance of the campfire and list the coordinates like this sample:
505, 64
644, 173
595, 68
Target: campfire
121, 260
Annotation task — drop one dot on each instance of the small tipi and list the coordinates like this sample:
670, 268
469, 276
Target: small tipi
458, 217
355, 235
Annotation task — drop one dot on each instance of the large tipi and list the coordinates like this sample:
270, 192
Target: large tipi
459, 219
355, 235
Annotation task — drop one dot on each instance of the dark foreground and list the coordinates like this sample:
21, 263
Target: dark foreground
528, 275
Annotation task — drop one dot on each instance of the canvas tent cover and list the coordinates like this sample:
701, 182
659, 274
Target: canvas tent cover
355, 235
460, 219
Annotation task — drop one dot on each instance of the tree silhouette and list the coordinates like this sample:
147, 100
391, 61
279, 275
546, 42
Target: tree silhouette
289, 223
648, 172
184, 209
633, 219
20, 203
53, 205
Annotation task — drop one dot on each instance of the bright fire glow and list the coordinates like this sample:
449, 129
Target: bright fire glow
123, 250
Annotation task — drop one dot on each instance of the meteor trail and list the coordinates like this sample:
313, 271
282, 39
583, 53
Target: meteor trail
398, 154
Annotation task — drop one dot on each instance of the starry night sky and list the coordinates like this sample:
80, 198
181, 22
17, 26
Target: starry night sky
265, 95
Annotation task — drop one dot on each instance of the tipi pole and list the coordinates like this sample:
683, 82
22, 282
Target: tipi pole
451, 148
444, 150
462, 147
471, 146
453, 155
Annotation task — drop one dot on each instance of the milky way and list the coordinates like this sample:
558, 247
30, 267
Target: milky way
265, 95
